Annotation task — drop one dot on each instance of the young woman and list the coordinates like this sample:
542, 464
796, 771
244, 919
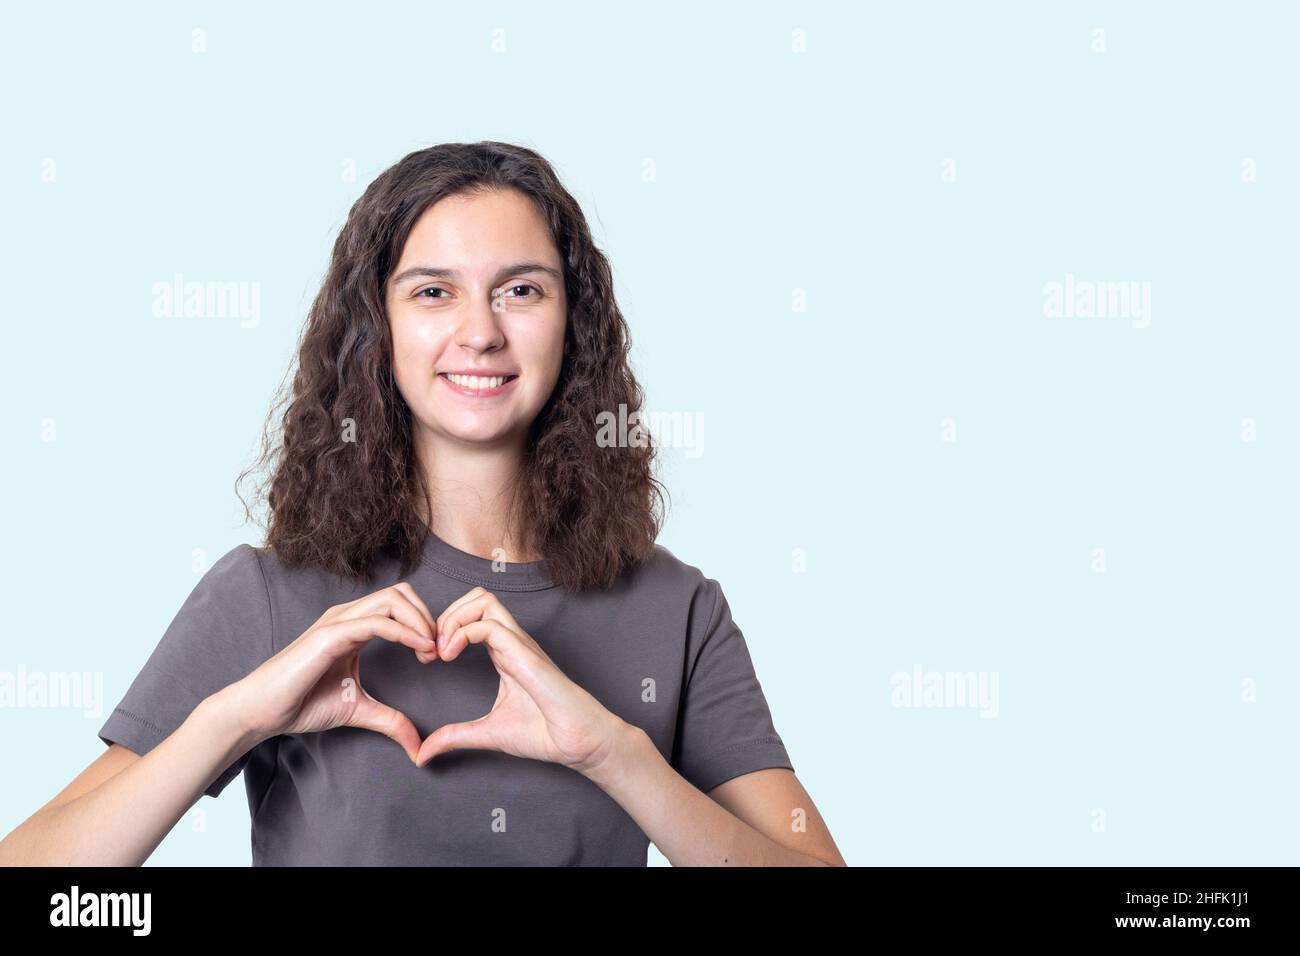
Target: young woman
437, 483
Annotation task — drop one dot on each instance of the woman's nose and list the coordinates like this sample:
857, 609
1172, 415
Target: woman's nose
479, 328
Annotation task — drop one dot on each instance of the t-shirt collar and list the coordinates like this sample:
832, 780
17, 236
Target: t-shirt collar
495, 575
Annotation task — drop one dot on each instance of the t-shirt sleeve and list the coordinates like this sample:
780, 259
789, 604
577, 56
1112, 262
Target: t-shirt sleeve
724, 726
221, 634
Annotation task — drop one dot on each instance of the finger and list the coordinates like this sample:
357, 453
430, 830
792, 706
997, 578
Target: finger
415, 599
405, 588
371, 714
396, 602
499, 612
460, 636
470, 735
467, 613
456, 605
346, 635
511, 654
484, 606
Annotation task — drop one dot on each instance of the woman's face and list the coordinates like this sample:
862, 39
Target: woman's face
478, 292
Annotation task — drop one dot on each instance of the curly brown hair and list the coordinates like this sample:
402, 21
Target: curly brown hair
590, 511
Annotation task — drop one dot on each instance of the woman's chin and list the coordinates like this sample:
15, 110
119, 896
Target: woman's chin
480, 433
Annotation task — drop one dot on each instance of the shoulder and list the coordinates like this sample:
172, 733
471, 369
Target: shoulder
256, 573
253, 560
241, 565
235, 580
668, 577
289, 585
254, 582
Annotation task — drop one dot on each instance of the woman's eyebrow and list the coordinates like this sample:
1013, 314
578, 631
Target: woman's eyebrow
437, 272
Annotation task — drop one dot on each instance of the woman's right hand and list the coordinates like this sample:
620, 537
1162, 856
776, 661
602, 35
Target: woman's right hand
314, 684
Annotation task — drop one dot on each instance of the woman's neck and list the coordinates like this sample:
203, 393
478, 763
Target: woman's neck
472, 491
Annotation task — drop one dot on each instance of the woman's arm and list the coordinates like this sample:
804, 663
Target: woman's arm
691, 828
763, 818
307, 687
122, 820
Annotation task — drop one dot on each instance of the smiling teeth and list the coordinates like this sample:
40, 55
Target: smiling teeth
476, 382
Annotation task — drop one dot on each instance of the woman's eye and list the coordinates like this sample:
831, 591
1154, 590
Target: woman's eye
515, 291
523, 285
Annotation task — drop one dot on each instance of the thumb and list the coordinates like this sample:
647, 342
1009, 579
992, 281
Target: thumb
470, 735
371, 714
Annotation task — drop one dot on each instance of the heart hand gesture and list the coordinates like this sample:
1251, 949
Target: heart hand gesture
539, 712
314, 683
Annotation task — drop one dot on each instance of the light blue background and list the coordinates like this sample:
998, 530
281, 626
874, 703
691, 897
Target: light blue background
775, 171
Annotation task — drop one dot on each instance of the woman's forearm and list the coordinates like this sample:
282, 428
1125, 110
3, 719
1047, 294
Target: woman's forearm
688, 827
122, 821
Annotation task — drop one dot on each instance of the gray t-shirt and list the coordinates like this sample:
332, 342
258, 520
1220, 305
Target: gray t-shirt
660, 649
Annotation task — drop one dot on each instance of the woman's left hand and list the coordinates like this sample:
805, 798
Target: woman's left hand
538, 713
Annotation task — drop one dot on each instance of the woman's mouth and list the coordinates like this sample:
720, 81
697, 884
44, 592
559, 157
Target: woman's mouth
477, 386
